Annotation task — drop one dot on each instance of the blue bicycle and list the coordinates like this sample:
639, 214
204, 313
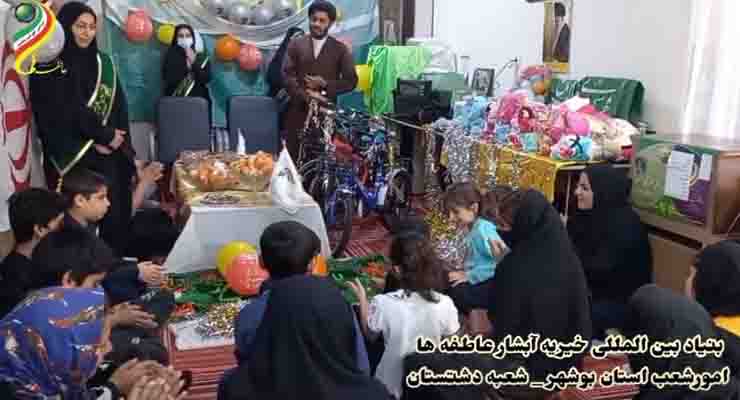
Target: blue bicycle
348, 182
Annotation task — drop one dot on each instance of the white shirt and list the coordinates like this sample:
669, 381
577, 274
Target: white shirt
402, 318
318, 44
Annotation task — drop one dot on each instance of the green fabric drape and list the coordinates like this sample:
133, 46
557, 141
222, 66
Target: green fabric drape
620, 98
391, 63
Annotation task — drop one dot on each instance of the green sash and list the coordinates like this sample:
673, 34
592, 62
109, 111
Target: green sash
101, 102
188, 83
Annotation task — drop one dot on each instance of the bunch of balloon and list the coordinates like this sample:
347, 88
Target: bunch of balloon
227, 48
229, 252
250, 57
139, 26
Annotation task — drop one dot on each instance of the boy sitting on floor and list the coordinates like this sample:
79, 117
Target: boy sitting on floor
86, 196
74, 258
33, 213
288, 249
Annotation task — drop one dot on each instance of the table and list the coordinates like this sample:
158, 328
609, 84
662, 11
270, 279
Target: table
209, 228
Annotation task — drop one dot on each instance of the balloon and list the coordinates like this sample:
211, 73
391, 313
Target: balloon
340, 15
364, 77
245, 275
250, 57
217, 7
53, 47
239, 13
138, 26
227, 48
283, 8
539, 88
226, 255
262, 15
166, 33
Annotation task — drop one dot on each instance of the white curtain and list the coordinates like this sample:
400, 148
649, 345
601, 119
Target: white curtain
713, 101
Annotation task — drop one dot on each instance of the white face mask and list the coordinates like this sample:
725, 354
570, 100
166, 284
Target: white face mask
185, 43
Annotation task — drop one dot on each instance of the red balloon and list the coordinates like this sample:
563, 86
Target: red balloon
250, 57
139, 26
246, 275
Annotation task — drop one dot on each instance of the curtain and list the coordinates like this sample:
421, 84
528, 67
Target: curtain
713, 101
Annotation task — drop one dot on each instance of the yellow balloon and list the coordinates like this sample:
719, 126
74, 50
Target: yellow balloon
339, 15
226, 255
364, 78
166, 33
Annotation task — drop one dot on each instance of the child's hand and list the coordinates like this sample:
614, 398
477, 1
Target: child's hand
151, 274
457, 277
498, 248
151, 173
126, 314
359, 290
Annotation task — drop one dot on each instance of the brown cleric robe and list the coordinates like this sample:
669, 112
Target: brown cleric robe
334, 64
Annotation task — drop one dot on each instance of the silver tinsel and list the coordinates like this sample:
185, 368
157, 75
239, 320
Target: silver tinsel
452, 250
460, 147
219, 321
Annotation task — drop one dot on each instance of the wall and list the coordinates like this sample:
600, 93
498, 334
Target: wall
636, 39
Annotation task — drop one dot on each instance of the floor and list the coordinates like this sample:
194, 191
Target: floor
368, 237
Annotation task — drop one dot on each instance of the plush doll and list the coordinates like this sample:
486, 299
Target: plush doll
526, 120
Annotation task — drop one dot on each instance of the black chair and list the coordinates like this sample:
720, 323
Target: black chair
258, 118
183, 123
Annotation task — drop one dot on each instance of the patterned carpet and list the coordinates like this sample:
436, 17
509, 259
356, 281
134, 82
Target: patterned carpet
369, 236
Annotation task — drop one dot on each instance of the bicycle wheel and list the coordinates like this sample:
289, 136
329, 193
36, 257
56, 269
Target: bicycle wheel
308, 172
341, 214
398, 198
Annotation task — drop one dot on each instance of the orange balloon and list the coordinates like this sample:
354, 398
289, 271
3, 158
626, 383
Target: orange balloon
227, 48
246, 275
138, 26
539, 88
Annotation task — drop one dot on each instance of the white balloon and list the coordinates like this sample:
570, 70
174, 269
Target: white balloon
53, 47
217, 7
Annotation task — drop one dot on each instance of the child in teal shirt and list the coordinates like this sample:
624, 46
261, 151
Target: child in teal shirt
485, 247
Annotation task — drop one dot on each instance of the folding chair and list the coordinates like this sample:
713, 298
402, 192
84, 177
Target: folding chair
258, 119
183, 123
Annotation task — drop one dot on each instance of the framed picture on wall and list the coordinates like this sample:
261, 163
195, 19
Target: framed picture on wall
557, 35
483, 82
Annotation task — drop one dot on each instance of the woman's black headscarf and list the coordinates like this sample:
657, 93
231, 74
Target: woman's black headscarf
539, 287
175, 65
717, 281
664, 315
81, 63
305, 348
610, 239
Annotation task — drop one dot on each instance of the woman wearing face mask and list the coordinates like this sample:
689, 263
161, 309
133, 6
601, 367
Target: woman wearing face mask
612, 244
185, 71
82, 118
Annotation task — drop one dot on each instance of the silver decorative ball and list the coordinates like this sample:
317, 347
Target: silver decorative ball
283, 8
217, 7
239, 13
52, 48
262, 15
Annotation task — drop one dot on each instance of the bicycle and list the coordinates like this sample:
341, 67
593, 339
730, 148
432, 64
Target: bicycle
346, 181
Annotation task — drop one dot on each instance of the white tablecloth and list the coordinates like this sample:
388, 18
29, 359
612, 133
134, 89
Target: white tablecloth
209, 228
